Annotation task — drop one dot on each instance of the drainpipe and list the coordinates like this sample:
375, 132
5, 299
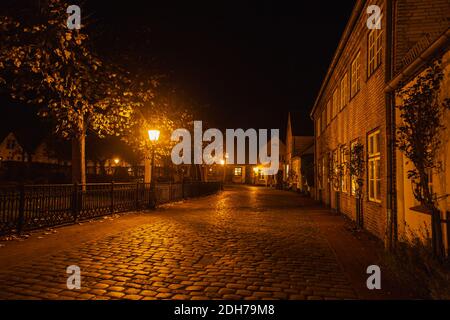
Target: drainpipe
391, 209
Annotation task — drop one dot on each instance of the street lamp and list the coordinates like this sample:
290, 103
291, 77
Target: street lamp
116, 161
153, 135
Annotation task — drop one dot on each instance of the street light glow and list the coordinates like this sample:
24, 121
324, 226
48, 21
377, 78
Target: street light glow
153, 135
116, 161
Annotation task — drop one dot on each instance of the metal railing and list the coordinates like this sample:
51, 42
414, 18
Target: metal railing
28, 207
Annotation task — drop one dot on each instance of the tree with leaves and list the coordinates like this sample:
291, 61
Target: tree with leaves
43, 62
355, 167
418, 137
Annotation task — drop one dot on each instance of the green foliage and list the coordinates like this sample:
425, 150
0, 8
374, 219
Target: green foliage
356, 165
161, 113
418, 136
43, 62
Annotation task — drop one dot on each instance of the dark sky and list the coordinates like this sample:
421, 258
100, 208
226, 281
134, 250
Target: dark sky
245, 62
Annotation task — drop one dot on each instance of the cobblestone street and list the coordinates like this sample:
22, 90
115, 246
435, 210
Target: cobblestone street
244, 243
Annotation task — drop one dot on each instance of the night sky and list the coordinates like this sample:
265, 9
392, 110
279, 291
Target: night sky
244, 63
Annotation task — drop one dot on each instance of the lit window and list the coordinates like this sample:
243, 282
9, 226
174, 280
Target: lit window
355, 75
344, 163
375, 48
353, 178
374, 156
323, 170
238, 171
344, 91
336, 184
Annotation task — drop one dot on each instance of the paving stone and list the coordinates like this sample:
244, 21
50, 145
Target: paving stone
247, 243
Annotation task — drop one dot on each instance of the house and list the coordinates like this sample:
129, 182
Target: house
259, 175
11, 149
255, 173
356, 106
299, 140
418, 41
351, 109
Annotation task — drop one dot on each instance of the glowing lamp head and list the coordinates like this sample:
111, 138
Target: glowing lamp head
222, 162
116, 161
153, 135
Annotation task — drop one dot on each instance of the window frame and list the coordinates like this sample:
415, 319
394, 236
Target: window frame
374, 45
353, 181
355, 72
344, 162
344, 97
336, 162
335, 102
374, 166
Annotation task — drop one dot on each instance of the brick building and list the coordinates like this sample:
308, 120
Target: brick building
355, 105
351, 108
299, 139
421, 35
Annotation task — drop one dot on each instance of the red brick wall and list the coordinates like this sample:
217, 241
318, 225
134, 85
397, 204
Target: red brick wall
364, 113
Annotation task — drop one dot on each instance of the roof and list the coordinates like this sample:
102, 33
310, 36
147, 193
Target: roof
301, 124
340, 49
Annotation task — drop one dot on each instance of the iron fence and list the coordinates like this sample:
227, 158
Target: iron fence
28, 207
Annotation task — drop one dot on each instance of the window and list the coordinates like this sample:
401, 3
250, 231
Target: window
324, 168
344, 163
329, 112
260, 174
355, 76
335, 103
353, 178
374, 50
238, 171
374, 166
320, 173
344, 91
336, 183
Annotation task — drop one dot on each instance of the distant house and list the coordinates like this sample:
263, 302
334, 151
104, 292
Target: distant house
11, 149
299, 142
255, 173
44, 154
260, 177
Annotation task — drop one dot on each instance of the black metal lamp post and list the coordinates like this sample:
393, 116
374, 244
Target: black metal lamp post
153, 135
